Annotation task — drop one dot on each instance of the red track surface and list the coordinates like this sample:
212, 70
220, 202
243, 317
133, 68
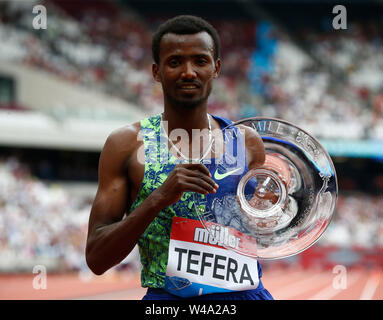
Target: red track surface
286, 284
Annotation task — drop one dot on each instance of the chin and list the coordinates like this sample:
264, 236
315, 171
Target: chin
189, 103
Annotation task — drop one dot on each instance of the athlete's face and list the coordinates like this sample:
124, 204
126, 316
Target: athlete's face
186, 68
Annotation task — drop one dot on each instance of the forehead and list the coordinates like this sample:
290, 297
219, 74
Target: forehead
186, 44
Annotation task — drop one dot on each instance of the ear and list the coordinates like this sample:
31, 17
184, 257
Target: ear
156, 72
217, 68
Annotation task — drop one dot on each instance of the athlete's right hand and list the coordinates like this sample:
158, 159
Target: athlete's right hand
193, 177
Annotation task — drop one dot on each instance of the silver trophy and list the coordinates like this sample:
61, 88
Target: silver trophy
276, 210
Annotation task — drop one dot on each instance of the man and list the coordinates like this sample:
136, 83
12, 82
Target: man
133, 180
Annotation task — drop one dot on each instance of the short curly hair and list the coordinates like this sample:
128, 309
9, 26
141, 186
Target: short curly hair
184, 24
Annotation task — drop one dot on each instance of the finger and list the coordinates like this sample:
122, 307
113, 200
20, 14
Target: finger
193, 187
202, 183
198, 166
200, 175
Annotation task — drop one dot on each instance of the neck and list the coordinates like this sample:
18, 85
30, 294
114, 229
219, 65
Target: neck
202, 150
187, 119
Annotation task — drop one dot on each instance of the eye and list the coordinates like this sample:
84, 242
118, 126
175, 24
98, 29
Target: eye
173, 62
201, 61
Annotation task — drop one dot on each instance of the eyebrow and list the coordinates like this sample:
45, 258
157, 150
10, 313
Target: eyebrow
198, 55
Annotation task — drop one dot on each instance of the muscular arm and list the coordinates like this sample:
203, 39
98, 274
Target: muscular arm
255, 150
257, 158
110, 237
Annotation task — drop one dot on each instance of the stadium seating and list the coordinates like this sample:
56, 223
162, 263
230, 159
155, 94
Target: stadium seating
104, 47
107, 48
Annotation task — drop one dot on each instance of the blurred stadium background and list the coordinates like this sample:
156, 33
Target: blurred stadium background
64, 89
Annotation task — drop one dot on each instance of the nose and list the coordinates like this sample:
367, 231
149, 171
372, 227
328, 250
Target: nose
188, 71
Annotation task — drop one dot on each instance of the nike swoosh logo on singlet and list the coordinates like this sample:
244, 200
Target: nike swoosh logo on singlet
220, 176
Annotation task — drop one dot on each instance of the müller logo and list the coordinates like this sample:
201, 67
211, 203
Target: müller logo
217, 235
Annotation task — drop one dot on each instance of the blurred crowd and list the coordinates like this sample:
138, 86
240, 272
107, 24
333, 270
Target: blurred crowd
358, 222
41, 223
110, 49
335, 89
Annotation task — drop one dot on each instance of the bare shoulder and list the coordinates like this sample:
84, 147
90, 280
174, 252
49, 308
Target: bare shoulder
120, 146
124, 139
123, 134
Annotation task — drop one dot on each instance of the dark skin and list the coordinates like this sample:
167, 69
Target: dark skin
186, 70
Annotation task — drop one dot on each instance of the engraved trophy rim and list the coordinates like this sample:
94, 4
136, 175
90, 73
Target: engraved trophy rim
311, 234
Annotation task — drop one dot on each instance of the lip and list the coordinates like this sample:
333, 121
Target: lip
191, 88
188, 86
